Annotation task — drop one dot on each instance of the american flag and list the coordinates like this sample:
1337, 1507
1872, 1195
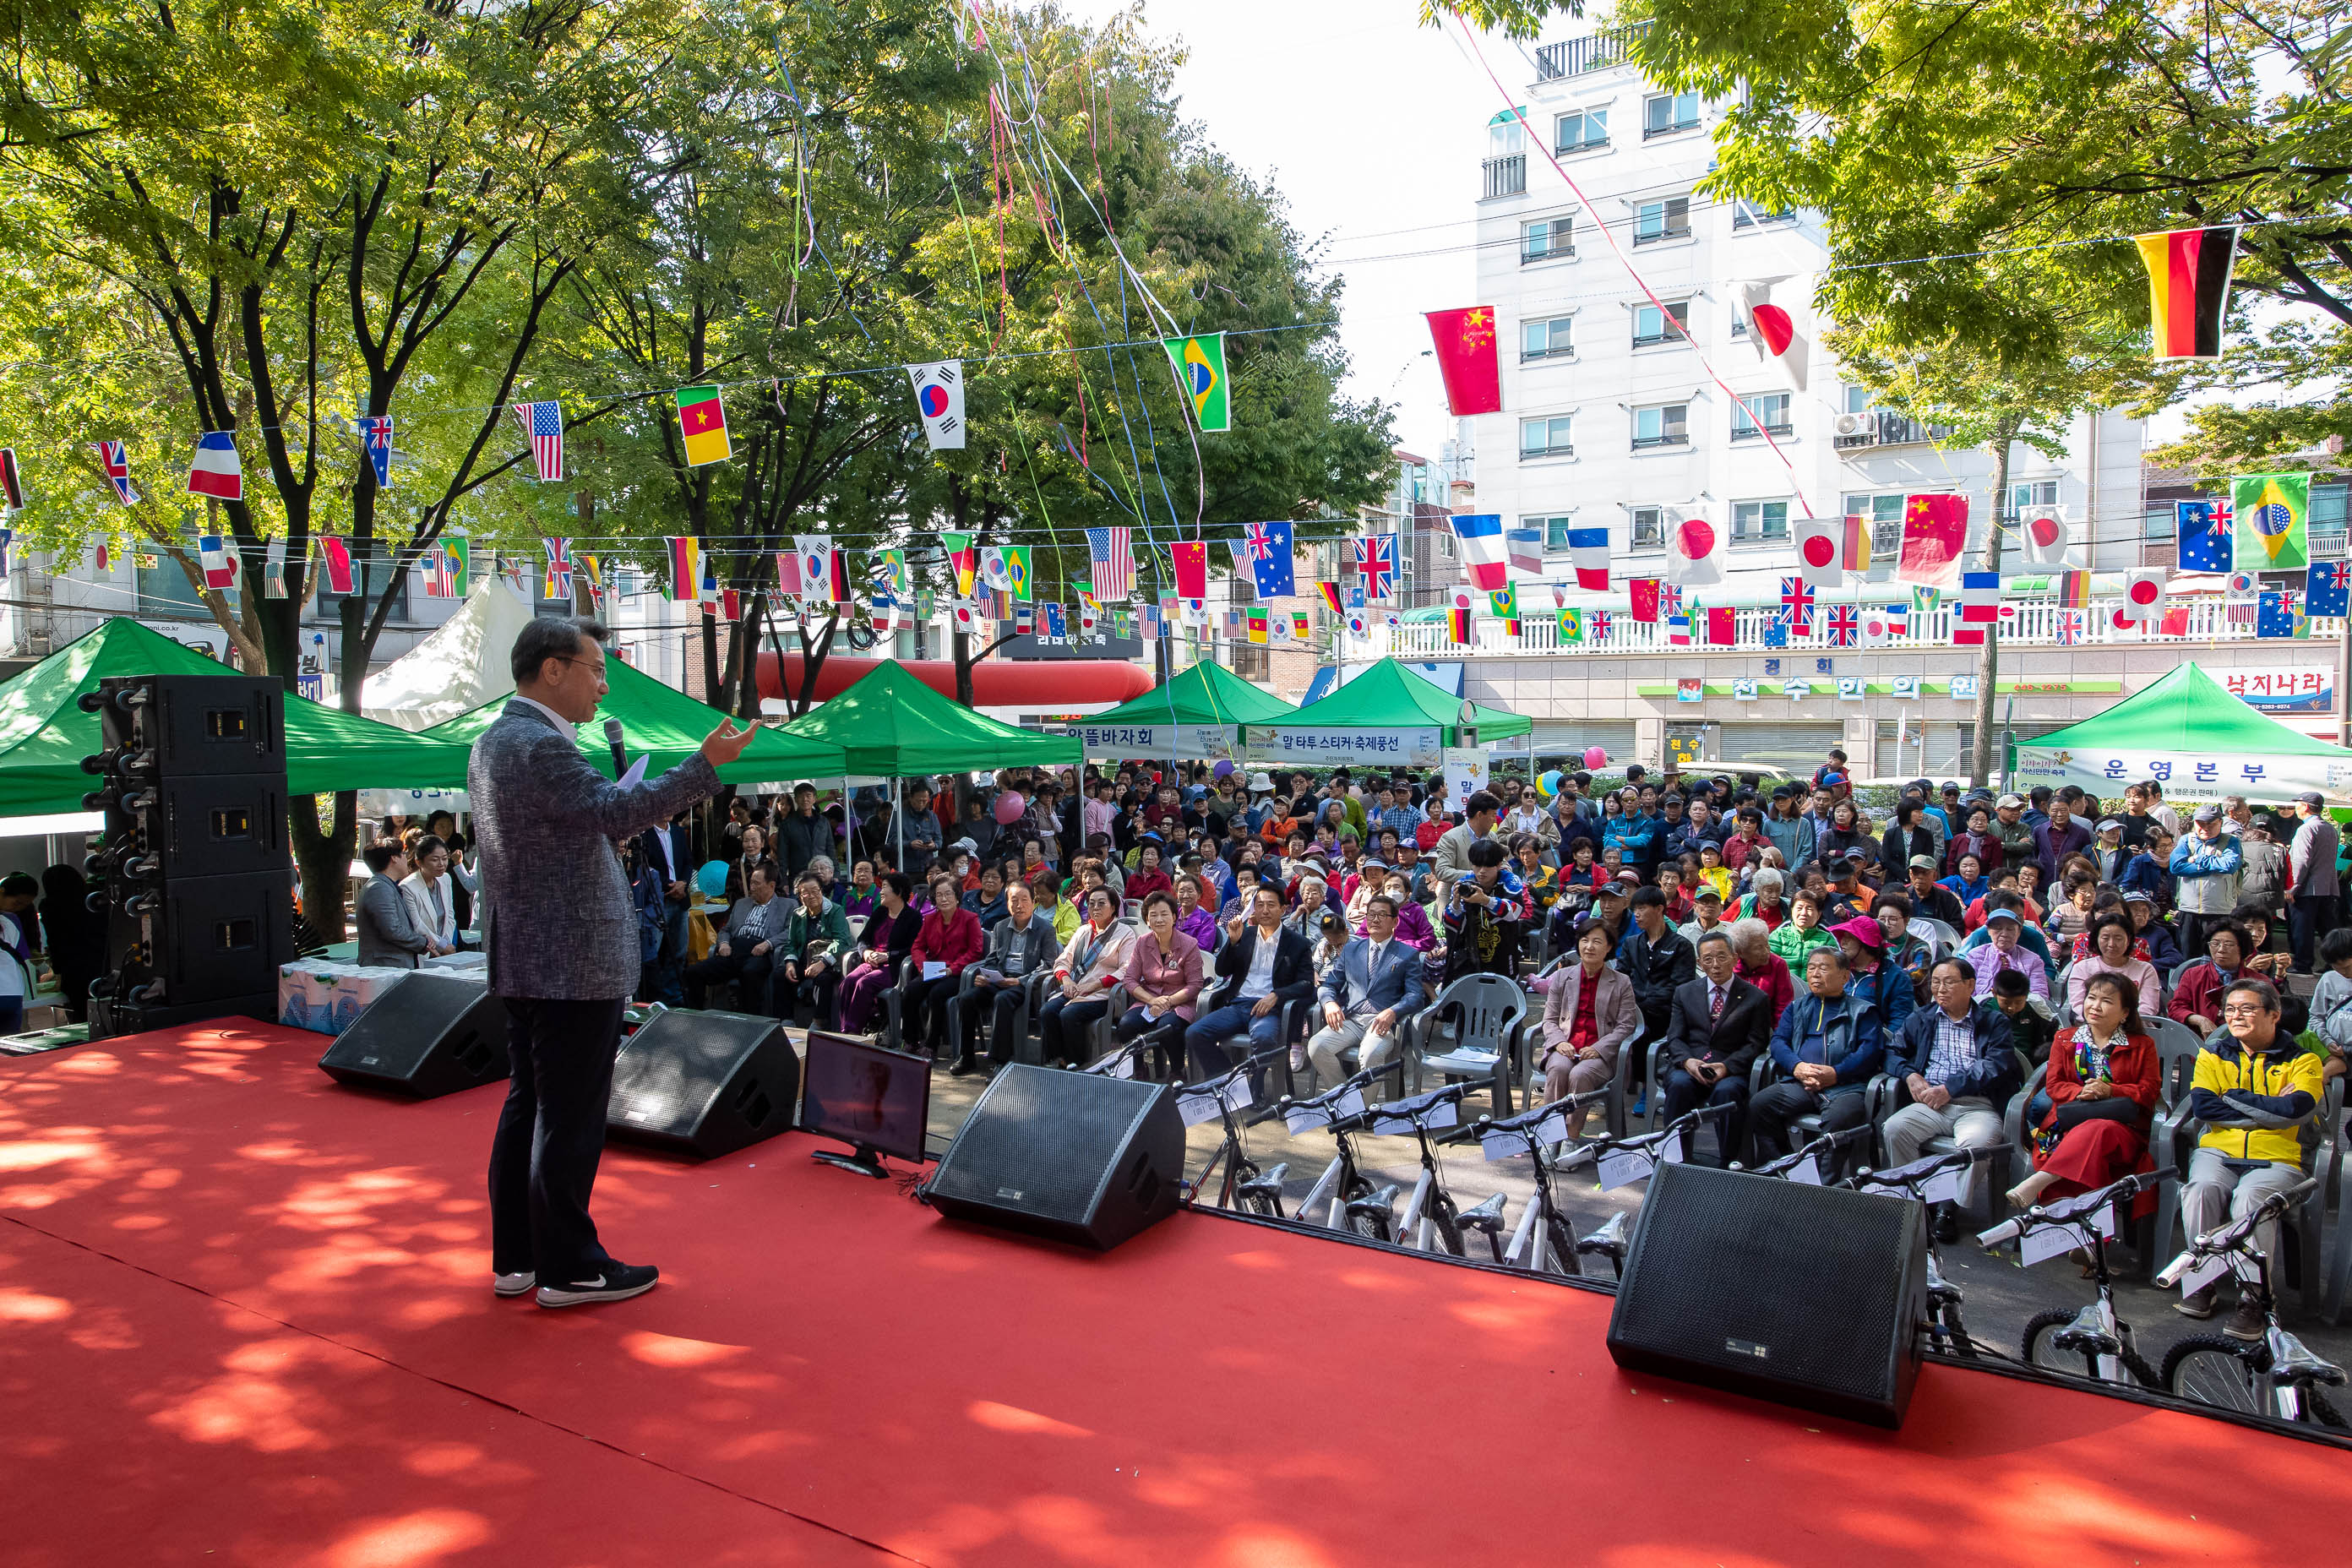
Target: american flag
441, 575
2070, 627
1797, 599
1670, 598
1376, 560
1110, 552
544, 423
1846, 627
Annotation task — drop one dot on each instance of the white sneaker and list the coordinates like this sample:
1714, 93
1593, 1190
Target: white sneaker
513, 1284
618, 1282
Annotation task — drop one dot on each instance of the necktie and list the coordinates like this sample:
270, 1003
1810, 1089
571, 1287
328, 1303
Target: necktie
1715, 1004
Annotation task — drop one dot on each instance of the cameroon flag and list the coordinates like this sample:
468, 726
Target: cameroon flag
702, 420
1200, 367
2189, 289
2272, 515
1257, 626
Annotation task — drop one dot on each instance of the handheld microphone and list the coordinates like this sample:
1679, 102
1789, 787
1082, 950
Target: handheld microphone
620, 756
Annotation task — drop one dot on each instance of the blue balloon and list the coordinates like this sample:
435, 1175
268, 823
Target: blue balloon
1547, 783
712, 878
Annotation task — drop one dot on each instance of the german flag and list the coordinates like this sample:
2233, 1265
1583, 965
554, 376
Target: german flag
1330, 592
1457, 626
2189, 289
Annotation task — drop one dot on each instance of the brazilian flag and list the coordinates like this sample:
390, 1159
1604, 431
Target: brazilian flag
1572, 626
1200, 369
1503, 603
2272, 521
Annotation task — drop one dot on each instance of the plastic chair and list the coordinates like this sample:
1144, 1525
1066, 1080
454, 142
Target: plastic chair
1485, 1012
1947, 939
1024, 1046
1876, 1104
2299, 1233
2340, 1154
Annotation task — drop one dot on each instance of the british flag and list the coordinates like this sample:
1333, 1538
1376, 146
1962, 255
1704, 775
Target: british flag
1261, 542
1670, 598
1376, 560
115, 458
1846, 627
558, 583
1797, 599
1110, 553
544, 422
1596, 626
2070, 627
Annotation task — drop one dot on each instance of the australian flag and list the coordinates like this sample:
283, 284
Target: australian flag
2327, 589
1268, 551
1058, 627
2279, 615
1776, 631
2204, 528
376, 440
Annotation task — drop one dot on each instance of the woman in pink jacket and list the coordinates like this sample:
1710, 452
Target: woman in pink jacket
1090, 964
1588, 1017
1163, 982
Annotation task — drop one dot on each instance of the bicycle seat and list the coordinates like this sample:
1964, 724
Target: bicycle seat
1609, 1238
1382, 1202
1488, 1216
1268, 1184
2290, 1359
2086, 1342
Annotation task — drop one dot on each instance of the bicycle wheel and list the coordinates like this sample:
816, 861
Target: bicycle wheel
2213, 1369
1373, 1225
1563, 1245
1449, 1233
2039, 1352
2322, 1412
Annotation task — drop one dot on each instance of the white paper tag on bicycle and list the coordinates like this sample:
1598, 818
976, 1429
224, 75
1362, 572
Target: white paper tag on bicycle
1199, 1107
2050, 1241
1436, 1119
1237, 1095
1307, 1118
1945, 1186
1807, 1170
1619, 1166
1674, 1151
1123, 1066
1349, 1104
2207, 1272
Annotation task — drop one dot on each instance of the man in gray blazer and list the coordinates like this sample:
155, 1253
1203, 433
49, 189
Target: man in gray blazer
387, 936
1371, 987
561, 935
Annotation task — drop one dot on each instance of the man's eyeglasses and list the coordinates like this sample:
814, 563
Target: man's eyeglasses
2244, 1010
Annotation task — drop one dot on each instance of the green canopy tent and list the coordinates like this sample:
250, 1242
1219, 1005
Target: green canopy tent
2189, 731
667, 727
1194, 716
890, 725
44, 733
1387, 715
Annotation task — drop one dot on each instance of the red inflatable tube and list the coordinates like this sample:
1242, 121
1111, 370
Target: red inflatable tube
1045, 686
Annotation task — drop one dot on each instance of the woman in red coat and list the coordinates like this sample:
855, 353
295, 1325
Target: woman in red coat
2102, 1085
947, 941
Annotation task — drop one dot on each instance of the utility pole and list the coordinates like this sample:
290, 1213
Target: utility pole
1989, 656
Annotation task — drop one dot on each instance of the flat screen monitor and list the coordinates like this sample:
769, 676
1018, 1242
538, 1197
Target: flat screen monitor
878, 1101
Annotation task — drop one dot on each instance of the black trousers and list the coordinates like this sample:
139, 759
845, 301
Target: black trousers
749, 971
1165, 1039
550, 1137
1684, 1094
1771, 1113
995, 1003
924, 1008
814, 992
2307, 920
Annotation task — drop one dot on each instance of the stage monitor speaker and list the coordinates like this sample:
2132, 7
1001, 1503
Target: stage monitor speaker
1810, 1295
704, 1083
1072, 1156
428, 1036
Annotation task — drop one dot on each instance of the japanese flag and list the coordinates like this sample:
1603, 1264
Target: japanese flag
2142, 595
2042, 533
1695, 552
1819, 541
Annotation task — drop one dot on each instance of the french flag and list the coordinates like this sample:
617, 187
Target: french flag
215, 472
1481, 535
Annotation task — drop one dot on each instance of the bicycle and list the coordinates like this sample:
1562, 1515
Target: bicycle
2094, 1342
1224, 1097
1341, 1182
1430, 1213
2273, 1375
1938, 1178
1542, 1242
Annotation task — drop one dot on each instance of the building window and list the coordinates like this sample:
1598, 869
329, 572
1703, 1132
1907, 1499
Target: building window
1651, 325
2159, 522
2033, 492
1668, 218
2327, 521
1554, 530
1758, 521
1649, 527
1548, 239
1748, 214
1581, 131
1856, 400
1506, 136
1545, 437
1668, 425
1664, 113
1771, 413
1546, 340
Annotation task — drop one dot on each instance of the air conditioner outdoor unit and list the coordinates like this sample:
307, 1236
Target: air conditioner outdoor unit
1858, 423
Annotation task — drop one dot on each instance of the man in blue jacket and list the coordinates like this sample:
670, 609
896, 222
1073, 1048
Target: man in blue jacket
1828, 1046
1958, 1071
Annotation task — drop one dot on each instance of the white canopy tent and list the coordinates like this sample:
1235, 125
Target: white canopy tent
461, 666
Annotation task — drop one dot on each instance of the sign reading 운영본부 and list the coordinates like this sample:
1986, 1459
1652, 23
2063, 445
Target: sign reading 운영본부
1412, 747
2189, 777
1184, 742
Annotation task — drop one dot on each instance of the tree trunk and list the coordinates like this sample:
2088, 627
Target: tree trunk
324, 860
1988, 656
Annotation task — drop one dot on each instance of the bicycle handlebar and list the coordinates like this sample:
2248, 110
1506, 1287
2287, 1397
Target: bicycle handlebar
2238, 1234
1916, 1175
1826, 1141
2068, 1210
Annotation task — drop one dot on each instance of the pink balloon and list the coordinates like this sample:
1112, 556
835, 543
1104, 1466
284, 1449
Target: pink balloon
1009, 807
1594, 757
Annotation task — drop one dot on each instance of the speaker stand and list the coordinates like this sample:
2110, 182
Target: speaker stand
864, 1160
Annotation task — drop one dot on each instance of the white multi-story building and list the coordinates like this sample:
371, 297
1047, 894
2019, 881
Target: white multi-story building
1611, 418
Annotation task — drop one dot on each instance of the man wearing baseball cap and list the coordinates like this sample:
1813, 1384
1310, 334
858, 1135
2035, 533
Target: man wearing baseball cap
2314, 901
2206, 866
2013, 833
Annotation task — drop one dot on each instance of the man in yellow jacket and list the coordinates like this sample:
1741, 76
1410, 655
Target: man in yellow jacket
2254, 1090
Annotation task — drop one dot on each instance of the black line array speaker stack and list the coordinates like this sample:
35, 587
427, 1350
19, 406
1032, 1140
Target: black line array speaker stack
197, 883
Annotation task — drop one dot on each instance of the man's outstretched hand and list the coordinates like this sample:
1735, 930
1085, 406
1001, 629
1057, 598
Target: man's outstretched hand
726, 743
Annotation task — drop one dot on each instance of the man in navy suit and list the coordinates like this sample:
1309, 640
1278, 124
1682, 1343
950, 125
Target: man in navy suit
1371, 987
1262, 966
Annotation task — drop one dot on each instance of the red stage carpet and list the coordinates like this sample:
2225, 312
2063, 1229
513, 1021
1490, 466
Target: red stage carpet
245, 1319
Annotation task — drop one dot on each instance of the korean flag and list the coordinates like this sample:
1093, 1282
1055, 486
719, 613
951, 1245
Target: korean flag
938, 398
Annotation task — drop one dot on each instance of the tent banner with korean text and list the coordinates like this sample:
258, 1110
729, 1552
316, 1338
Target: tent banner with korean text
1411, 746
2196, 737
2283, 687
2189, 777
1183, 742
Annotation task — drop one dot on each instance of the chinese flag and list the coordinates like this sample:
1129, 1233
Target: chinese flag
1721, 625
1643, 592
1191, 570
1464, 341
